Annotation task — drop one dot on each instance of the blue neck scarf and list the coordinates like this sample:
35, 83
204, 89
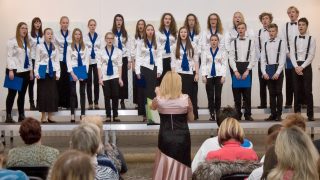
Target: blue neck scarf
118, 34
212, 32
213, 67
49, 50
109, 66
79, 55
167, 45
26, 59
65, 45
191, 35
38, 38
93, 40
185, 62
150, 50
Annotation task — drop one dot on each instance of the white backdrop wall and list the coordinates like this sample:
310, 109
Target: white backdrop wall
79, 11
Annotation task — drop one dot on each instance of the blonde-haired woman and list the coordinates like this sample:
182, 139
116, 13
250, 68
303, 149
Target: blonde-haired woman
297, 156
74, 165
175, 109
230, 137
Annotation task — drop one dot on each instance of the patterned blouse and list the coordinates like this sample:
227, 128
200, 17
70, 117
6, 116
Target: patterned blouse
32, 155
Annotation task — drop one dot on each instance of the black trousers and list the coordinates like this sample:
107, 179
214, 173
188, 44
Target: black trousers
73, 96
93, 74
188, 88
214, 88
166, 66
111, 92
64, 86
21, 94
195, 96
263, 87
31, 85
134, 88
275, 95
304, 81
123, 91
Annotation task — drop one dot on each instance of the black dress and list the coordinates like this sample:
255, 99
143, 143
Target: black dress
48, 98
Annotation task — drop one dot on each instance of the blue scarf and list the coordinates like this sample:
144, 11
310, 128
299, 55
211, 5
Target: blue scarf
118, 34
26, 59
79, 55
65, 45
191, 35
212, 32
38, 38
150, 50
213, 67
167, 45
185, 62
49, 50
109, 66
93, 40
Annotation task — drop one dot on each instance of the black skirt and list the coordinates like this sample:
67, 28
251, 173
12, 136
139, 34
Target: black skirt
48, 98
123, 91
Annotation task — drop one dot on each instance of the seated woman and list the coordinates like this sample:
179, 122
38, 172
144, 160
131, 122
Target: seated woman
86, 138
73, 165
33, 153
230, 137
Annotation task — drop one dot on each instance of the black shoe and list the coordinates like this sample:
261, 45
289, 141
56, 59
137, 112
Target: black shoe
212, 117
115, 119
122, 105
279, 118
32, 107
21, 117
310, 119
144, 119
51, 121
288, 106
108, 119
248, 118
270, 118
9, 119
73, 121
262, 107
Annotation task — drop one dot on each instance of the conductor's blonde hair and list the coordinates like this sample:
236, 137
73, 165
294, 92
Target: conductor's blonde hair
171, 85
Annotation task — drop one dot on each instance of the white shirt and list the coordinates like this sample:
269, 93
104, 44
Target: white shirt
232, 34
220, 62
16, 56
161, 41
126, 46
205, 40
42, 58
116, 59
72, 58
302, 45
292, 32
272, 52
143, 58
96, 48
242, 51
264, 36
33, 45
196, 42
135, 43
59, 42
176, 62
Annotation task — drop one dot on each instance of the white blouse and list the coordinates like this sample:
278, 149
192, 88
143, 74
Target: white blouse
143, 58
72, 58
42, 58
196, 42
220, 63
96, 48
135, 43
59, 42
205, 40
176, 62
33, 45
161, 40
126, 46
116, 59
16, 56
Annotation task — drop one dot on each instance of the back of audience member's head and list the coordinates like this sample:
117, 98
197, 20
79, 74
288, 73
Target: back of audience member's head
269, 163
294, 120
73, 165
86, 138
97, 120
230, 129
30, 130
295, 152
227, 112
274, 128
273, 132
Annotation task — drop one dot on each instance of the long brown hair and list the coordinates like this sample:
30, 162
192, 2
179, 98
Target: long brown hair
123, 30
219, 23
81, 43
154, 42
137, 35
18, 37
173, 25
33, 29
196, 28
189, 48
